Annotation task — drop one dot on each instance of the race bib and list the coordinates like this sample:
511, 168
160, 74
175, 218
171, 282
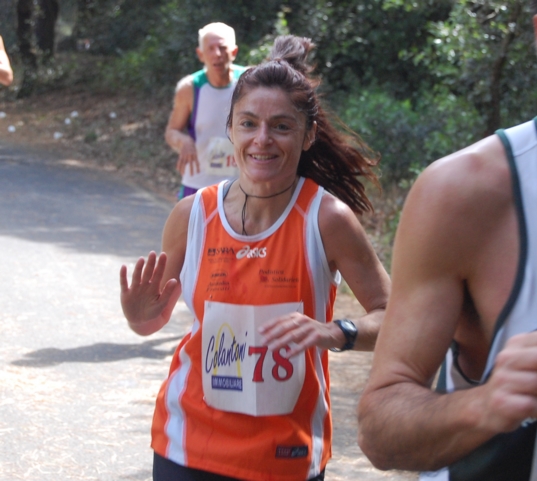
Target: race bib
239, 373
220, 159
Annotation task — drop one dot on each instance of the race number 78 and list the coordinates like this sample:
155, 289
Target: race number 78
280, 363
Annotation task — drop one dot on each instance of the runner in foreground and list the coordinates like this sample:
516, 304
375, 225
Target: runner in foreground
258, 261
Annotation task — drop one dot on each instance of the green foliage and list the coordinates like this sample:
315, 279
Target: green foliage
409, 137
483, 52
115, 26
358, 42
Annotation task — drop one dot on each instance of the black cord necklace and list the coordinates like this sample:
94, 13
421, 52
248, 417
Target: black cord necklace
243, 215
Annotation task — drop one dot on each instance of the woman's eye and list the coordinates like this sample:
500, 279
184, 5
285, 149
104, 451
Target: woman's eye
247, 123
282, 127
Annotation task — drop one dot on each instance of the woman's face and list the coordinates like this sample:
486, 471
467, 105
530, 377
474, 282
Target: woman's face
269, 135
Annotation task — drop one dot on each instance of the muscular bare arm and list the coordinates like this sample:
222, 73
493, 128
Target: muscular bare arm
175, 135
448, 228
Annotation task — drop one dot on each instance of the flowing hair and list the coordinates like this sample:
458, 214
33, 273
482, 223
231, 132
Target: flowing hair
338, 157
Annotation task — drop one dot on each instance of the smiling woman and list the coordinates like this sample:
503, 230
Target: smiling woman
258, 261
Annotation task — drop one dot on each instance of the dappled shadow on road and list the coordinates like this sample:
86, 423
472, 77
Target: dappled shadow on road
99, 352
56, 201
142, 475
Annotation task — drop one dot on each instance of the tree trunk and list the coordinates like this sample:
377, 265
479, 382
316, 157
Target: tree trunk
27, 52
45, 27
25, 32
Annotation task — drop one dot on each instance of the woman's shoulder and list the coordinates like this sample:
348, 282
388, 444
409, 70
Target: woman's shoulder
334, 215
178, 219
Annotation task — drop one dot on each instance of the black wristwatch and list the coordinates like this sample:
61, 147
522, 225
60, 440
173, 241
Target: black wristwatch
351, 333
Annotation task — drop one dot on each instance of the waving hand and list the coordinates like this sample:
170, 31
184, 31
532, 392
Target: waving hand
146, 306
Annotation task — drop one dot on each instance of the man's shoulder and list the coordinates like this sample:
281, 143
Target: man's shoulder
462, 189
481, 165
186, 84
190, 80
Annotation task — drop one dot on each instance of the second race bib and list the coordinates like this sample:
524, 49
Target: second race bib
220, 159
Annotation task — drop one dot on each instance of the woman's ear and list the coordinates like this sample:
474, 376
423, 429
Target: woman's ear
309, 140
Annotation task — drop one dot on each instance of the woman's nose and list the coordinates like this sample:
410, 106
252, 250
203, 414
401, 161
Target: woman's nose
263, 135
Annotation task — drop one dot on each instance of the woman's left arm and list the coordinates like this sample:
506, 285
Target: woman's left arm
348, 250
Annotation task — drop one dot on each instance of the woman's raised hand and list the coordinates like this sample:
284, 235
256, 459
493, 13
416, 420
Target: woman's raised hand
145, 305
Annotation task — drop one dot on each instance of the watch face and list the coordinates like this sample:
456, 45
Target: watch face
349, 326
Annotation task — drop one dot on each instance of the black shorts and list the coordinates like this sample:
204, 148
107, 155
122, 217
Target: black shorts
166, 470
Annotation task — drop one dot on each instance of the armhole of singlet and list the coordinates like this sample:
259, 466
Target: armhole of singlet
195, 92
517, 197
334, 276
441, 383
455, 351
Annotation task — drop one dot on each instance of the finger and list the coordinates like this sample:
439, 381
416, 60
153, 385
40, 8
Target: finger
159, 268
276, 323
147, 274
197, 165
518, 359
272, 331
168, 290
124, 284
291, 333
179, 165
523, 340
137, 272
293, 348
519, 381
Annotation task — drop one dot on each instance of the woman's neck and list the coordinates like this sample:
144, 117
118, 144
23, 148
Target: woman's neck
250, 213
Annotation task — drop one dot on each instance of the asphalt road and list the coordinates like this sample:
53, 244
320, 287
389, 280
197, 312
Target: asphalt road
77, 387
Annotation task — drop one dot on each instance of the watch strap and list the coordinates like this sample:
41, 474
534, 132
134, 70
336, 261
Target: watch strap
351, 333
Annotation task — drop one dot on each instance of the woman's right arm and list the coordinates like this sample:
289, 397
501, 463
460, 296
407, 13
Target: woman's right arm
154, 290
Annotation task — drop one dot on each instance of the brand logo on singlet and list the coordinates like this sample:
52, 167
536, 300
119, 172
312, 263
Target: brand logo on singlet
220, 251
291, 451
277, 278
219, 274
250, 253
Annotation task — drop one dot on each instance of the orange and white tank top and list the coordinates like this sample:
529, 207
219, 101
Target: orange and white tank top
229, 405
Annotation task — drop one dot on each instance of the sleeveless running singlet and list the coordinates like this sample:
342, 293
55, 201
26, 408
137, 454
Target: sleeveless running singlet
207, 126
232, 283
507, 456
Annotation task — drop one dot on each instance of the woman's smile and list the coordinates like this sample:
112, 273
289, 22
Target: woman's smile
262, 158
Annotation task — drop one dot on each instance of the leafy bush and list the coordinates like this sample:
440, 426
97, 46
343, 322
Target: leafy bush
408, 138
